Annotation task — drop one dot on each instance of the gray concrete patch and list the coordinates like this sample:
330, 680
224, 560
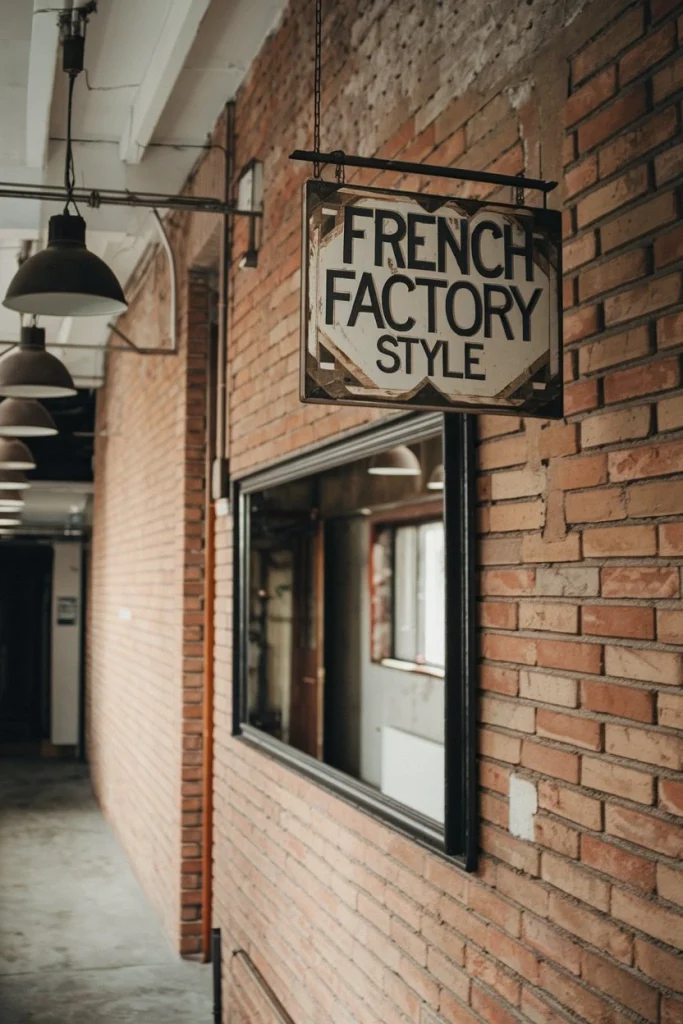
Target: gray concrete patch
78, 942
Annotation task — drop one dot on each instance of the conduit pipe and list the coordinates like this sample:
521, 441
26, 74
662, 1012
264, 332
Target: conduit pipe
216, 447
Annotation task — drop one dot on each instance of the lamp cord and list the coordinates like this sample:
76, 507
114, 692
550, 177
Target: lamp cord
317, 82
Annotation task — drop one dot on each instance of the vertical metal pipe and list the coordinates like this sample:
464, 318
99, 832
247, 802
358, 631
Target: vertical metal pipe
225, 253
217, 962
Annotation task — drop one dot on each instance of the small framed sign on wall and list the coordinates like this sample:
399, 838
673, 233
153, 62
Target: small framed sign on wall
418, 301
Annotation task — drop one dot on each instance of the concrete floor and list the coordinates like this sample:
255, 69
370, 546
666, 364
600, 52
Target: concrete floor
78, 942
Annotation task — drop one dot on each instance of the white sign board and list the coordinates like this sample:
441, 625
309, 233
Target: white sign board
421, 301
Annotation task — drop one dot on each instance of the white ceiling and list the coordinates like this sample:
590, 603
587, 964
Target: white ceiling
158, 75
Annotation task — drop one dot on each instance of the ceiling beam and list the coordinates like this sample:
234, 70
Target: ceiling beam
176, 37
41, 78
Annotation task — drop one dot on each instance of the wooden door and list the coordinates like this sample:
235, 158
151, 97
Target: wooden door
308, 666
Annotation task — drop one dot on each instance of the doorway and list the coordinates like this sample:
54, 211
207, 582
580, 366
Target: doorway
25, 605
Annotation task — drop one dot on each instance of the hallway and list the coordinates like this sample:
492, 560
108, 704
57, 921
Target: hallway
78, 942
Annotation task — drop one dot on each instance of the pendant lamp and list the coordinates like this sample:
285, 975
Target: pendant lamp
435, 482
65, 279
30, 371
25, 418
13, 480
11, 501
15, 455
9, 522
399, 461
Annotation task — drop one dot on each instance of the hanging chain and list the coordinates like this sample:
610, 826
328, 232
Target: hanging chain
317, 82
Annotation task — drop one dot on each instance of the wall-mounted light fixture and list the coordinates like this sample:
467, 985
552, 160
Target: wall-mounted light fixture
399, 461
250, 200
32, 372
24, 417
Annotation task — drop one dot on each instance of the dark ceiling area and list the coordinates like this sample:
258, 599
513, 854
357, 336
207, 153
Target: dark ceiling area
68, 456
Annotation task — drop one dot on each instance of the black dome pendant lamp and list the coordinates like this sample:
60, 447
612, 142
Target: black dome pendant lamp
30, 371
25, 418
65, 279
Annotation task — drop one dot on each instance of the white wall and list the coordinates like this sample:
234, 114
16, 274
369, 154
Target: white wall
66, 644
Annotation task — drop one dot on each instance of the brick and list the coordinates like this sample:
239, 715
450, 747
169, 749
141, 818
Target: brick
509, 648
620, 984
507, 582
670, 710
622, 701
483, 901
574, 474
608, 44
501, 452
592, 927
558, 439
499, 746
555, 618
651, 460
547, 760
570, 804
618, 863
612, 196
571, 657
668, 248
580, 397
608, 428
522, 515
668, 165
643, 300
653, 49
668, 80
671, 796
651, 666
518, 483
490, 1008
567, 581
498, 616
507, 714
595, 506
488, 972
580, 177
555, 835
539, 1011
499, 680
643, 829
514, 852
500, 550
614, 351
609, 777
513, 954
579, 250
671, 543
671, 1010
647, 745
658, 964
536, 549
670, 884
591, 96
548, 689
659, 922
551, 943
670, 413
494, 426
641, 380
630, 145
580, 732
640, 581
573, 995
641, 220
619, 620
670, 331
619, 542
580, 324
622, 111
644, 501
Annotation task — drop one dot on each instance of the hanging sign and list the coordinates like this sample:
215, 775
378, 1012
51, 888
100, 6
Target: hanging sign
427, 302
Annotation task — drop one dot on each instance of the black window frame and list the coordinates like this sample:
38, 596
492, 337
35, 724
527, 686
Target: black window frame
459, 837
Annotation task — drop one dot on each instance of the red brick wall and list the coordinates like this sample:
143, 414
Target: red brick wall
145, 671
581, 666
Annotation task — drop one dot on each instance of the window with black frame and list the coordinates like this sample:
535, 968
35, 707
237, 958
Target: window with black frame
345, 662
